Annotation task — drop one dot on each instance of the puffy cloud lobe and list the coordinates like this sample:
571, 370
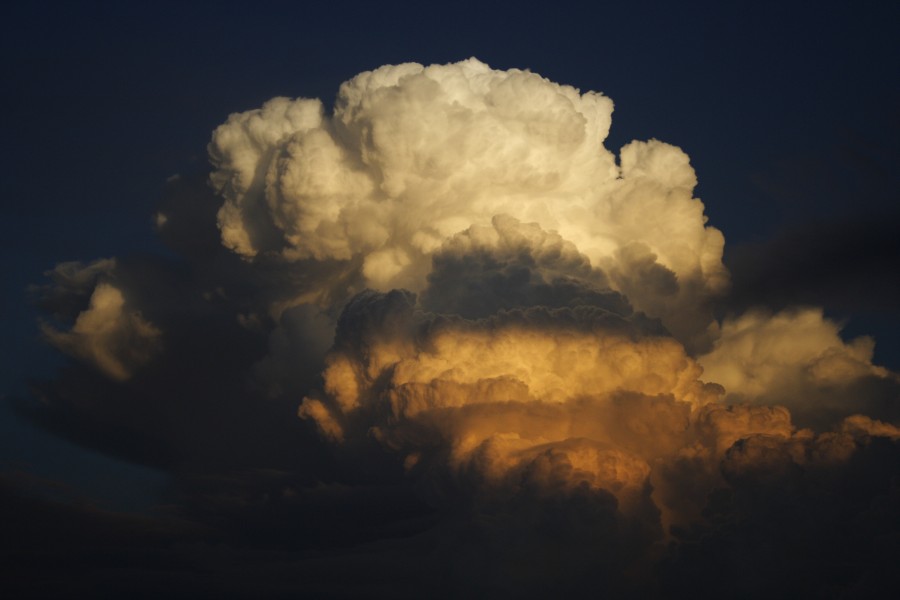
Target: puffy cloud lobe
511, 264
413, 155
554, 354
756, 350
797, 358
529, 400
108, 335
239, 148
558, 398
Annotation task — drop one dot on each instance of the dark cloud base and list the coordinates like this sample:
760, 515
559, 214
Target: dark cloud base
783, 532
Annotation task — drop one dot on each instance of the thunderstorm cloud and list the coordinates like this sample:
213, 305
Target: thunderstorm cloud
438, 332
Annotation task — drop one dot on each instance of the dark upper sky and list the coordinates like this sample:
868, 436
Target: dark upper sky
787, 110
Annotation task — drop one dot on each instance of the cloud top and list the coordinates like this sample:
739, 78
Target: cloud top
413, 155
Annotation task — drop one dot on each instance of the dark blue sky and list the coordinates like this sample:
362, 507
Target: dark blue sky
787, 110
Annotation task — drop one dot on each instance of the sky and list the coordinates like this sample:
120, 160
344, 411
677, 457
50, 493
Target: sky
600, 294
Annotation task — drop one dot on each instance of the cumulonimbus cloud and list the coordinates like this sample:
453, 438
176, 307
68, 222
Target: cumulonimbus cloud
458, 286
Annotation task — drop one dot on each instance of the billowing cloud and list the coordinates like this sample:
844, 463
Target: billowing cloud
549, 398
510, 264
107, 334
412, 155
500, 339
797, 358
